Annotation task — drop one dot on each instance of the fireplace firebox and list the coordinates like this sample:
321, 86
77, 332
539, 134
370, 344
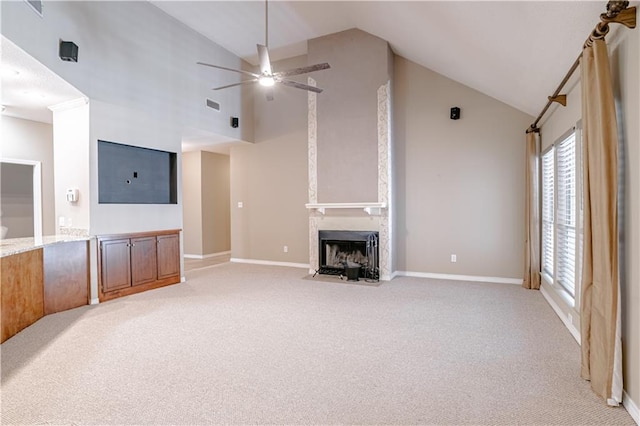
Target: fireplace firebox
352, 254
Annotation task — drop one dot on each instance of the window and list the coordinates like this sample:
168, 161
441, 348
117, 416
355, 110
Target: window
561, 219
548, 188
566, 214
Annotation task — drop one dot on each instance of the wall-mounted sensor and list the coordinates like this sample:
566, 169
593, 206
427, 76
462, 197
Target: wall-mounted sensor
235, 122
455, 113
72, 195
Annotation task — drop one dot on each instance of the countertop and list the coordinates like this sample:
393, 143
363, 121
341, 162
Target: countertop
19, 245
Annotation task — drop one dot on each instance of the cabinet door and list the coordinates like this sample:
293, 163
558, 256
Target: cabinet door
66, 276
168, 256
22, 298
115, 264
144, 267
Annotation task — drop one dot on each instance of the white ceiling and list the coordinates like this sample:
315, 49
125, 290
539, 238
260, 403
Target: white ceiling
29, 87
514, 51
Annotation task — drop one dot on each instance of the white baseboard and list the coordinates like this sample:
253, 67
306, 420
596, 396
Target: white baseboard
565, 320
631, 407
94, 301
270, 263
498, 280
207, 256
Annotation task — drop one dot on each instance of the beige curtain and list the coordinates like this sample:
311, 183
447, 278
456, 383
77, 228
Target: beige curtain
599, 309
532, 216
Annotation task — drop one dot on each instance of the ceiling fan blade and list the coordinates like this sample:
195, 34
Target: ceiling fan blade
265, 64
229, 69
303, 70
297, 85
236, 84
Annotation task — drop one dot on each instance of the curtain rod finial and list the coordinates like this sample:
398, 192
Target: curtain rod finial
620, 15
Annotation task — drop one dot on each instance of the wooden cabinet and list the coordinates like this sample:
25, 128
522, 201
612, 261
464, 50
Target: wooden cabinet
22, 292
66, 276
116, 264
42, 281
144, 260
168, 256
132, 263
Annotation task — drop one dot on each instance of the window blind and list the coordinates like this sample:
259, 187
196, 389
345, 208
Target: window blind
566, 214
548, 212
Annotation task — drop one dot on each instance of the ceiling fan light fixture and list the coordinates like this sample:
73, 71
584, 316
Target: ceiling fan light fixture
266, 76
266, 81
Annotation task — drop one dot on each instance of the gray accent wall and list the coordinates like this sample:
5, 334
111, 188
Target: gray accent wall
347, 114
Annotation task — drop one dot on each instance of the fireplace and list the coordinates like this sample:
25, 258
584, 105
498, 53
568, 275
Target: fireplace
353, 254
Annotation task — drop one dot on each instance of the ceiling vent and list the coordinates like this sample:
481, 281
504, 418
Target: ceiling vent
213, 104
36, 5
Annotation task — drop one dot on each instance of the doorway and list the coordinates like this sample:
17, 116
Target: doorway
20, 198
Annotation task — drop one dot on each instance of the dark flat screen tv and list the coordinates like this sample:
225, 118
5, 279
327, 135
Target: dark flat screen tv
134, 175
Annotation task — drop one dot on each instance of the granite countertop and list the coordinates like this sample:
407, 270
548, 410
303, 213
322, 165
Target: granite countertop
19, 245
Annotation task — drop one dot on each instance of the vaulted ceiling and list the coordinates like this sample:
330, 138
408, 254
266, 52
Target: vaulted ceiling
514, 51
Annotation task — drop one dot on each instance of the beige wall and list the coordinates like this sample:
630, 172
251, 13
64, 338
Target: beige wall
192, 203
270, 179
31, 140
216, 207
206, 201
624, 50
459, 183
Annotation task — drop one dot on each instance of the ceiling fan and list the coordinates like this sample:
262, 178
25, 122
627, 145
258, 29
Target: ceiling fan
267, 77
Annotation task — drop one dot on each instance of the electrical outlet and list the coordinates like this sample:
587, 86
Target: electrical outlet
454, 258
61, 221
240, 204
285, 249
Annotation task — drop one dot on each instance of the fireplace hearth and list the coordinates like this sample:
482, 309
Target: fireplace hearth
350, 254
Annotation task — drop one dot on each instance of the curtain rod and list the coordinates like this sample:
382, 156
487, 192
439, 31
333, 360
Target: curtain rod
618, 12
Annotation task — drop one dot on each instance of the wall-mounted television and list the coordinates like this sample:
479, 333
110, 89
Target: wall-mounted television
134, 175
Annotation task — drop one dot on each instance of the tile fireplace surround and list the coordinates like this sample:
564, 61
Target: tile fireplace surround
353, 216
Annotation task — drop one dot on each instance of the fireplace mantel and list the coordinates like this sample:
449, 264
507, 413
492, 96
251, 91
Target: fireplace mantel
369, 208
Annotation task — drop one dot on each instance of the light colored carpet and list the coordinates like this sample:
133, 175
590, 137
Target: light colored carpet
250, 344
